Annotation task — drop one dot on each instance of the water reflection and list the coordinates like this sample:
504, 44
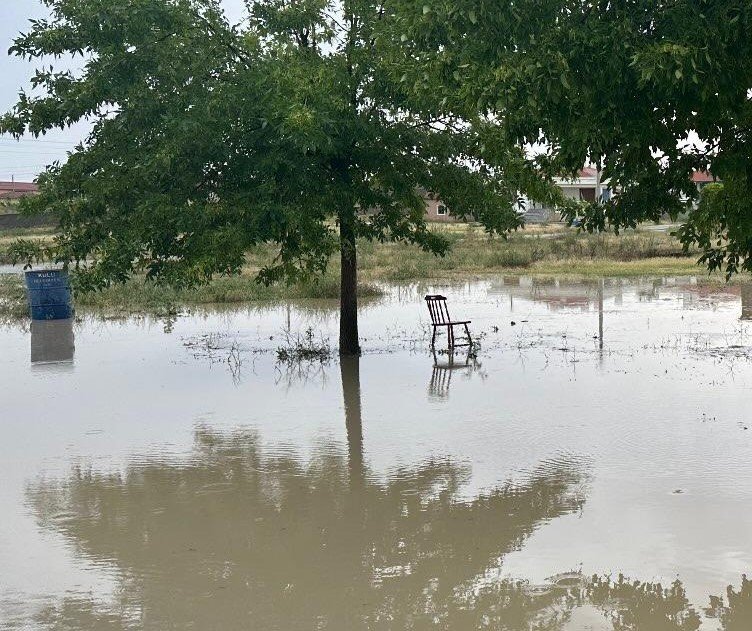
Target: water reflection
746, 291
350, 375
601, 286
445, 363
734, 613
642, 605
239, 533
572, 295
52, 341
236, 534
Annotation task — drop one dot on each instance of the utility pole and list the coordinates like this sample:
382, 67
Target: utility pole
598, 181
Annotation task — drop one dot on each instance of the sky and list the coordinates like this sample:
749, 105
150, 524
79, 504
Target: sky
23, 160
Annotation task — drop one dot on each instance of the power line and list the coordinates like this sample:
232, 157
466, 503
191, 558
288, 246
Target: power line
37, 140
25, 154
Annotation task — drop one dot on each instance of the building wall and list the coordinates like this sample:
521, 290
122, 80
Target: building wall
432, 212
579, 192
11, 221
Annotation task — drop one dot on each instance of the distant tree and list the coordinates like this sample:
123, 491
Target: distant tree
209, 139
623, 84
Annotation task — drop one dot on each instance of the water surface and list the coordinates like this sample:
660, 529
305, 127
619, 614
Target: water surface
170, 474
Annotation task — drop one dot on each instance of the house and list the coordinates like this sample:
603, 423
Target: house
701, 179
586, 186
437, 211
10, 219
16, 190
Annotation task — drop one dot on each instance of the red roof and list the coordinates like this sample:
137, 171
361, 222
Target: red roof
587, 172
700, 177
15, 190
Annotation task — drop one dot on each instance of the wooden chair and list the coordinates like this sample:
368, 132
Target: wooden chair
437, 307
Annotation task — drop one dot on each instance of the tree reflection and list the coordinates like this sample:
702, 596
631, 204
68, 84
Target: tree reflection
735, 613
746, 293
235, 535
641, 605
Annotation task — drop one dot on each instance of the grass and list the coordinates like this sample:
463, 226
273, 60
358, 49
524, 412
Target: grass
7, 237
539, 250
137, 296
8, 206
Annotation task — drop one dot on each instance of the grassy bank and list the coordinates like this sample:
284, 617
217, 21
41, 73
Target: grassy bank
538, 250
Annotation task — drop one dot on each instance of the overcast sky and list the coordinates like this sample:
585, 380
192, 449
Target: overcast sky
26, 158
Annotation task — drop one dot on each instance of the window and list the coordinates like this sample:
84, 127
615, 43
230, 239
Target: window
441, 210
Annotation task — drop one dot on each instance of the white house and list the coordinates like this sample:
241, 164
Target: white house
586, 186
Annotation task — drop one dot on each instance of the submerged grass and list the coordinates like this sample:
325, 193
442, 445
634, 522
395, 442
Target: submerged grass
539, 250
138, 295
13, 303
302, 348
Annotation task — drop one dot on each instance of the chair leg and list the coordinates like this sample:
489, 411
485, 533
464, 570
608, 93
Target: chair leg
469, 339
450, 336
433, 338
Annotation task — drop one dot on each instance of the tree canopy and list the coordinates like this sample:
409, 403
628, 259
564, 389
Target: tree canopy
295, 127
315, 123
650, 90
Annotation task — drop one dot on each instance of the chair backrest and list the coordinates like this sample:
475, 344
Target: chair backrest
437, 307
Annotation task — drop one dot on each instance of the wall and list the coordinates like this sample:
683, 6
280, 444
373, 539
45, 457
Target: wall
11, 221
432, 206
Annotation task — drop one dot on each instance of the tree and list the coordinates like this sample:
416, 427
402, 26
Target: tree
209, 139
648, 89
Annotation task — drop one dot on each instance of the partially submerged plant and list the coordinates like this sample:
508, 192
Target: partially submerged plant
215, 348
305, 347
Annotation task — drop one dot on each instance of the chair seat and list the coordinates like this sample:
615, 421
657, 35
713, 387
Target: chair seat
450, 323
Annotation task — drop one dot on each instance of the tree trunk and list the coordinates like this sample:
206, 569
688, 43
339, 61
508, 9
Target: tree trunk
348, 306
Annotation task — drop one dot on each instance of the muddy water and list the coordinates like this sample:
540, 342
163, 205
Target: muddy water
170, 474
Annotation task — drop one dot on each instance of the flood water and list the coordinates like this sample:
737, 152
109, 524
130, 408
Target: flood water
590, 468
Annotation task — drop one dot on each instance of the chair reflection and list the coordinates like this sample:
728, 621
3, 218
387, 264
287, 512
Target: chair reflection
445, 363
52, 341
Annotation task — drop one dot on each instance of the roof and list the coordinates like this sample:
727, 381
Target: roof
586, 176
27, 187
15, 190
700, 177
